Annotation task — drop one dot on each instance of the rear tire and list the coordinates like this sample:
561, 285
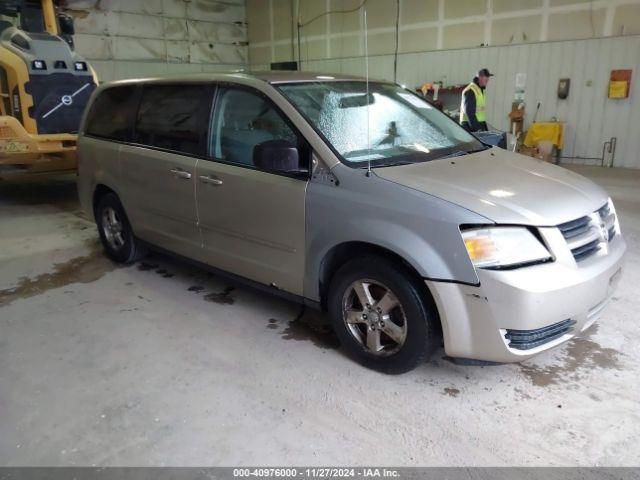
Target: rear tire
115, 230
381, 315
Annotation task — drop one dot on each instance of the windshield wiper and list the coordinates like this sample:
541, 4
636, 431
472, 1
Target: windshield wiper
482, 149
380, 164
460, 153
457, 153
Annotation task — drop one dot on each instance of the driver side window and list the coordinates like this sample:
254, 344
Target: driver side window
242, 120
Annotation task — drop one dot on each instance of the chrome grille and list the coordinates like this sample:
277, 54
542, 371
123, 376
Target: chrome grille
575, 228
586, 235
585, 250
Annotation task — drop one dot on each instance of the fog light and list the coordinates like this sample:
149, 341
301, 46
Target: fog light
39, 65
80, 66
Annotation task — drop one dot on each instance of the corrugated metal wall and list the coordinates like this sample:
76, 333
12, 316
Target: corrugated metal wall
133, 38
591, 118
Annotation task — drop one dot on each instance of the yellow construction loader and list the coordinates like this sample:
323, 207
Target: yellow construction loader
44, 87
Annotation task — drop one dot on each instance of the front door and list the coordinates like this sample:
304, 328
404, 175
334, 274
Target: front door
158, 170
252, 221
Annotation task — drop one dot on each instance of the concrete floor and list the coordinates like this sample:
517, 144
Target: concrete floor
163, 364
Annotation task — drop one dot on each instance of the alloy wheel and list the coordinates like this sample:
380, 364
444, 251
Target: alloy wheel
374, 317
113, 228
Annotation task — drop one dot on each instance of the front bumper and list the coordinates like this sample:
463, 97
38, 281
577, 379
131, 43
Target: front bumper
477, 321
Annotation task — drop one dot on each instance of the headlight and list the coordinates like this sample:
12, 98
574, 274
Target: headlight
503, 247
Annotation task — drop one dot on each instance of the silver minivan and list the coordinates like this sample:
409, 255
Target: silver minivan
358, 198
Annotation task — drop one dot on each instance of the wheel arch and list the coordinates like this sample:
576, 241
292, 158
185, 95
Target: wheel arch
100, 191
341, 253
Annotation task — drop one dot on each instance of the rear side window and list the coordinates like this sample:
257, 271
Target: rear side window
113, 113
174, 117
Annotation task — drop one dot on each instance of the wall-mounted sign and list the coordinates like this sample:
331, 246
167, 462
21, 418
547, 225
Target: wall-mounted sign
563, 88
619, 83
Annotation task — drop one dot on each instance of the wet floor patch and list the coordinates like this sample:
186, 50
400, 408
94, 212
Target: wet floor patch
582, 355
85, 269
224, 297
146, 266
307, 325
164, 273
311, 326
452, 392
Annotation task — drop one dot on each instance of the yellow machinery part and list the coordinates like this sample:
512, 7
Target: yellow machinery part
22, 152
49, 13
17, 74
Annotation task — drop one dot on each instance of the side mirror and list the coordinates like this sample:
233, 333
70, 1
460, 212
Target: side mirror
66, 24
277, 156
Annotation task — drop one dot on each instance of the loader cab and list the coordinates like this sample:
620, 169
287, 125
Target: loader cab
27, 15
44, 83
32, 17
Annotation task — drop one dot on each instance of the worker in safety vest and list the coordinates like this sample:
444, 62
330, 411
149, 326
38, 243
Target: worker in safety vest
472, 106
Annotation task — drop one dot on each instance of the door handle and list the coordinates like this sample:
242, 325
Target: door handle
211, 180
180, 174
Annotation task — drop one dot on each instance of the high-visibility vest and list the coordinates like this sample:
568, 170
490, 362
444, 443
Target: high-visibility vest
481, 116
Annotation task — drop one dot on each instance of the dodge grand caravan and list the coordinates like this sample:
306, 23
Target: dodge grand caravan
358, 198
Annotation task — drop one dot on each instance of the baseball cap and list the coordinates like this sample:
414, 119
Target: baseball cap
484, 72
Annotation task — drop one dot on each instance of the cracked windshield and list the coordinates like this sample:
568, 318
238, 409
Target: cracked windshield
403, 128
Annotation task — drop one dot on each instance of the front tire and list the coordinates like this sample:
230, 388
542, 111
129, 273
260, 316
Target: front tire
381, 315
115, 230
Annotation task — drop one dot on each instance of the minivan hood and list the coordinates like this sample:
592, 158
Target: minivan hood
504, 187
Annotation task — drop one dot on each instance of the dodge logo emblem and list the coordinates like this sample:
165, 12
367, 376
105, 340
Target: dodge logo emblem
604, 233
66, 100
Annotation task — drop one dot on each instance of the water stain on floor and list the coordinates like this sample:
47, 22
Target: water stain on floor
311, 325
452, 392
164, 273
224, 297
582, 355
145, 266
85, 269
